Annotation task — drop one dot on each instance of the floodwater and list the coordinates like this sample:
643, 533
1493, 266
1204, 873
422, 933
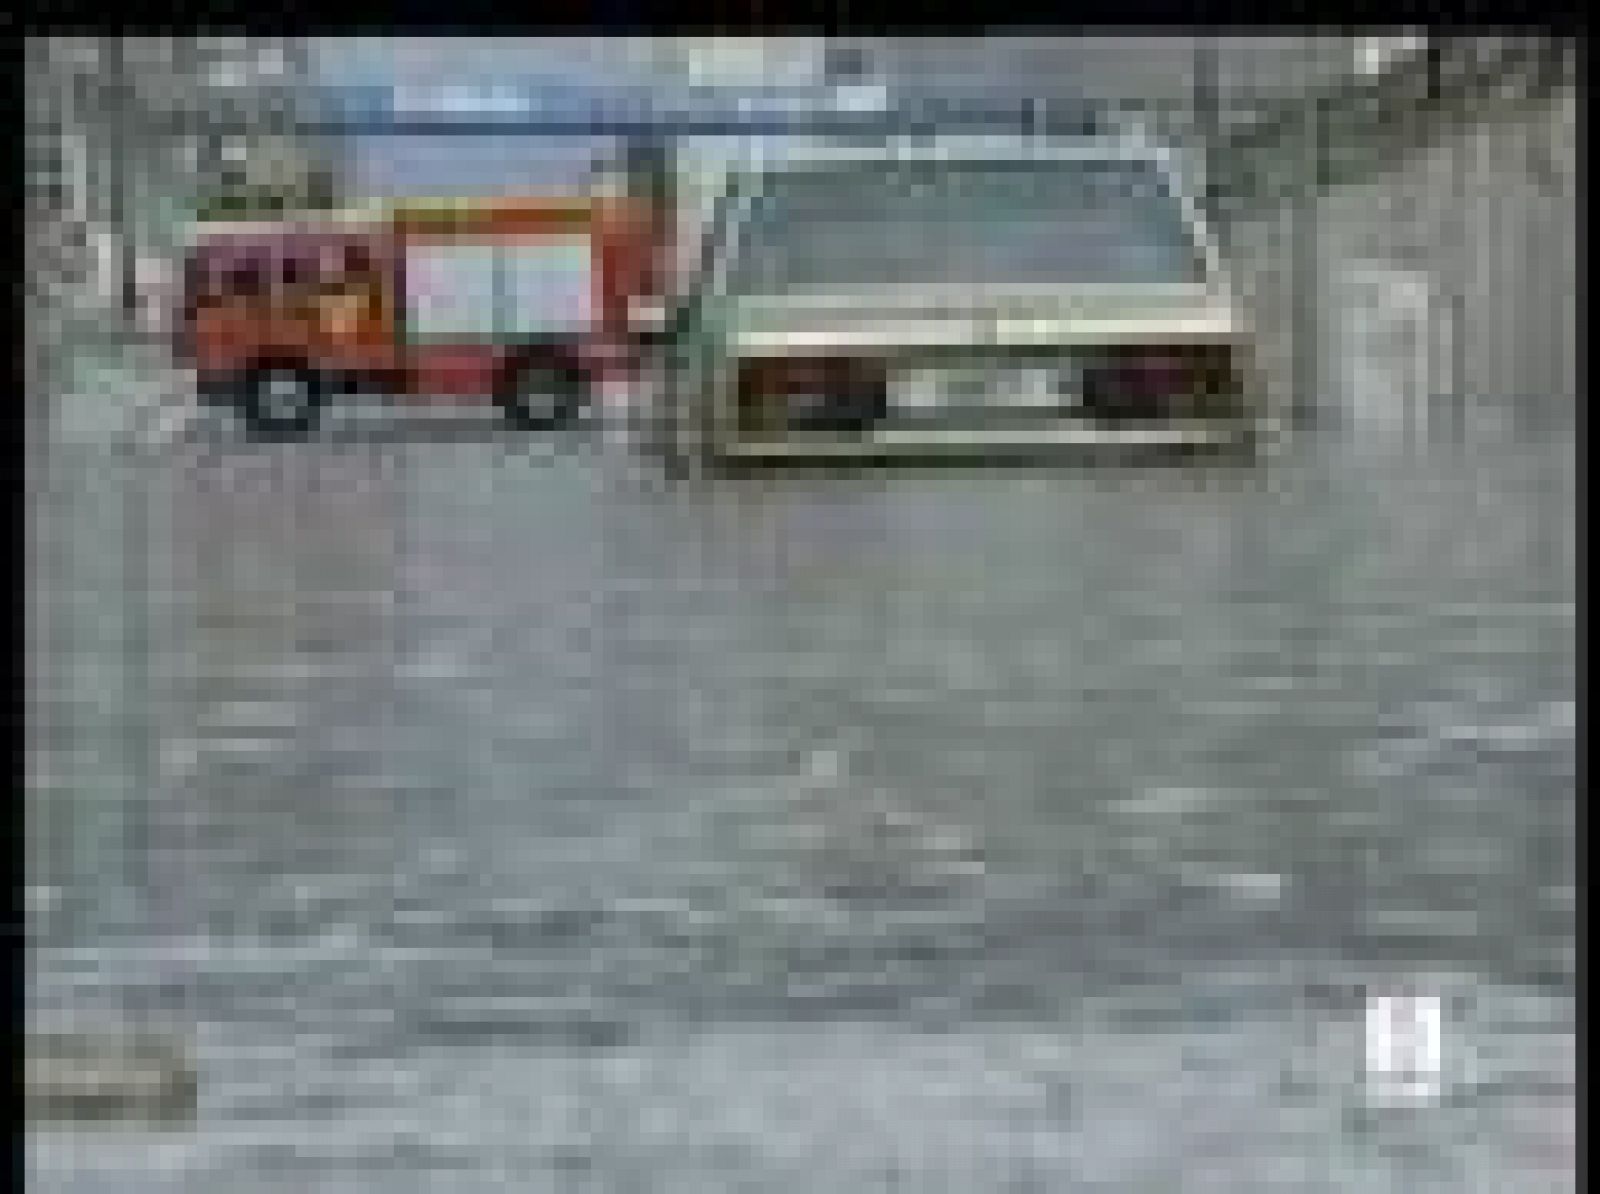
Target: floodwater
491, 814
498, 816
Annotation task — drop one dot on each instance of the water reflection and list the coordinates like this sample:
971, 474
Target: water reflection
775, 776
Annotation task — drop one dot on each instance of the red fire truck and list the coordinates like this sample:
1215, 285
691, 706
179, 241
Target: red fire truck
527, 301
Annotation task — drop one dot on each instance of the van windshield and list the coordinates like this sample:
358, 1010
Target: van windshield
929, 223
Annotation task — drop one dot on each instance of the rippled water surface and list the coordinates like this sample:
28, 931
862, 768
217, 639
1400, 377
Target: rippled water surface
519, 821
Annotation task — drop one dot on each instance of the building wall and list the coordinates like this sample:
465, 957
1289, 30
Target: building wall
1159, 73
106, 116
1154, 73
1445, 286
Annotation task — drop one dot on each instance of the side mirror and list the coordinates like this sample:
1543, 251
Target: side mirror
650, 321
649, 314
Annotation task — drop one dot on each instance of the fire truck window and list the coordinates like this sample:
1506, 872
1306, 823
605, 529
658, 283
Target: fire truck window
327, 265
298, 273
204, 280
330, 264
361, 278
246, 278
340, 269
359, 268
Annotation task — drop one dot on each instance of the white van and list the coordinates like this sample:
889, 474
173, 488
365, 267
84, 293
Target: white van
966, 294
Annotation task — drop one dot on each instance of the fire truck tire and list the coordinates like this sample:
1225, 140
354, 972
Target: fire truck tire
542, 395
282, 399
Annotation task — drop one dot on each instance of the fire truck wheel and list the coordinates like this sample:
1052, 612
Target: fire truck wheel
282, 399
542, 396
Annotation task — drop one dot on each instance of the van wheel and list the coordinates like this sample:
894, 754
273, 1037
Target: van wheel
282, 399
542, 396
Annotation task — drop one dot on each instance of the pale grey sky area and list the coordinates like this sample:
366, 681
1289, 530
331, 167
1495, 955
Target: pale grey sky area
487, 164
391, 166
473, 59
490, 164
1155, 68
591, 61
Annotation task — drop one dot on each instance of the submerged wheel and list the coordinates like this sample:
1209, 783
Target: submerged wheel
542, 395
282, 399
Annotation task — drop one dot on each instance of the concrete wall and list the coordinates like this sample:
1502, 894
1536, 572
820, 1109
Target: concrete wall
1158, 72
1486, 226
94, 597
110, 107
1444, 286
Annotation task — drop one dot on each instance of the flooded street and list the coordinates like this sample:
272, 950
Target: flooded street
500, 816
428, 806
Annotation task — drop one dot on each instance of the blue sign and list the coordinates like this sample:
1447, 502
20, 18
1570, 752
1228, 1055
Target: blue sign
529, 108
